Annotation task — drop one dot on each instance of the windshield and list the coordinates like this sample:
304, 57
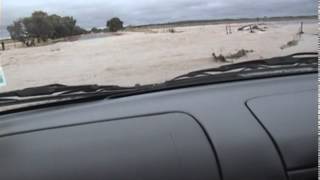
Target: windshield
127, 42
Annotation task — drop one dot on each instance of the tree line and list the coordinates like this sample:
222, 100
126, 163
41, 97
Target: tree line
40, 27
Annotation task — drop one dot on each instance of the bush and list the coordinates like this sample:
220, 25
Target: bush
239, 54
94, 30
290, 44
171, 30
97, 30
219, 59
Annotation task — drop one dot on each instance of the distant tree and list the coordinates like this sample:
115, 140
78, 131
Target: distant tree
78, 31
42, 26
70, 24
115, 24
57, 25
39, 26
17, 31
60, 29
95, 30
105, 30
98, 30
63, 26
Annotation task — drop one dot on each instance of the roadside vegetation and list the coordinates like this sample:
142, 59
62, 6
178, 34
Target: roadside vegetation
232, 56
41, 27
293, 42
239, 54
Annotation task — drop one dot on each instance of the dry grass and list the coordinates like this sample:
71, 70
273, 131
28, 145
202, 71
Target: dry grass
239, 54
253, 28
171, 30
291, 43
219, 59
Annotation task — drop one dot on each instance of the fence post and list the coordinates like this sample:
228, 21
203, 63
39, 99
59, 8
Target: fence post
301, 28
3, 46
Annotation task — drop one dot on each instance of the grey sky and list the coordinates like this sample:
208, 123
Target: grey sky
95, 12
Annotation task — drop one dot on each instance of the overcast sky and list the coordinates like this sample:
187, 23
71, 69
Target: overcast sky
91, 13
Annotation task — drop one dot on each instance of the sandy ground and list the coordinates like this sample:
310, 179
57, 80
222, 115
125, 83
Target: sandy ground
145, 57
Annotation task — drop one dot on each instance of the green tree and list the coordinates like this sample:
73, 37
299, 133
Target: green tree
62, 26
69, 24
17, 31
78, 31
115, 24
39, 25
42, 26
95, 30
58, 27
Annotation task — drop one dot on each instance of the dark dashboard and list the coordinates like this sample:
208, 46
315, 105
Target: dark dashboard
258, 129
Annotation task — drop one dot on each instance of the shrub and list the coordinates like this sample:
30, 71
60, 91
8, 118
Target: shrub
171, 30
219, 59
239, 54
290, 44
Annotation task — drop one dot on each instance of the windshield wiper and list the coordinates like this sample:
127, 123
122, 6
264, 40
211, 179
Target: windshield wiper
58, 92
277, 63
296, 63
62, 89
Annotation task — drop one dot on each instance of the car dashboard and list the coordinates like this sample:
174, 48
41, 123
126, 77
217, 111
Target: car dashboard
258, 129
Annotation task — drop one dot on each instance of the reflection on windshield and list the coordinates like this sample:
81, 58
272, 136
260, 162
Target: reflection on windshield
48, 47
